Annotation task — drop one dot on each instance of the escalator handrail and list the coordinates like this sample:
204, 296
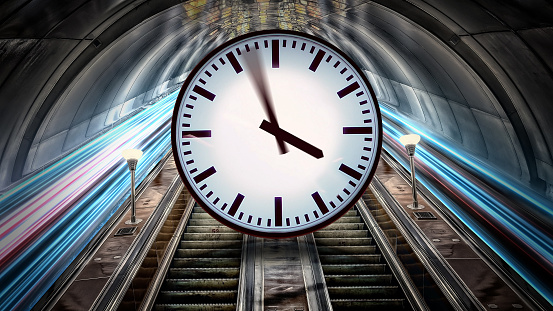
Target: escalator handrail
159, 276
454, 289
402, 276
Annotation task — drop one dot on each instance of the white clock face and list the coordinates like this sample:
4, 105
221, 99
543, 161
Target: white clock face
276, 133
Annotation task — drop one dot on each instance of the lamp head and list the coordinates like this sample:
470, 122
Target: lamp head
410, 142
132, 156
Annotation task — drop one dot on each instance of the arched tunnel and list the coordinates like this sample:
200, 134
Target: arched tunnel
473, 78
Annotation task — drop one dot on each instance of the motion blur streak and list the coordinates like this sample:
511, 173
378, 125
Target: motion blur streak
47, 221
503, 218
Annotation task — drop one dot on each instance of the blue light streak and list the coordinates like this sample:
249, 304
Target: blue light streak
497, 212
79, 194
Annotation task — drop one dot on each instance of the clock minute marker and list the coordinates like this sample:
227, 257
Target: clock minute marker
204, 175
366, 130
317, 60
348, 89
203, 92
351, 172
275, 57
278, 211
234, 62
320, 203
196, 134
235, 204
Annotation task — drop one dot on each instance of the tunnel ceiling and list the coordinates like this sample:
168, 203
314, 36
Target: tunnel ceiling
474, 73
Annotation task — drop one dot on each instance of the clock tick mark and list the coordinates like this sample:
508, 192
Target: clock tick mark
332, 204
367, 148
203, 92
283, 43
348, 89
185, 143
278, 211
328, 58
351, 172
346, 191
203, 187
185, 125
210, 193
368, 139
188, 152
196, 134
194, 170
359, 94
202, 81
306, 217
316, 214
312, 50
266, 43
189, 106
256, 44
366, 111
352, 183
189, 162
337, 64
317, 60
259, 221
364, 158
192, 97
208, 73
275, 54
236, 204
303, 46
247, 48
238, 51
268, 222
216, 200
222, 62
365, 130
288, 222
368, 121
204, 175
320, 203
361, 167
250, 219
224, 206
343, 70
186, 115
241, 215
234, 62
214, 67
349, 78
297, 220
340, 198
363, 102
294, 44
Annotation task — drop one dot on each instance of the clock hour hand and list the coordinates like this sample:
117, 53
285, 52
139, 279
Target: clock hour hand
257, 75
282, 135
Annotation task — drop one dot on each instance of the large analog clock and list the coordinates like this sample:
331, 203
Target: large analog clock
276, 133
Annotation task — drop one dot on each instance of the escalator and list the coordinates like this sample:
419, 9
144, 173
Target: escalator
204, 273
356, 274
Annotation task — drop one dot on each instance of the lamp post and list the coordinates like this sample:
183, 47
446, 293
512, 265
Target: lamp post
410, 142
132, 156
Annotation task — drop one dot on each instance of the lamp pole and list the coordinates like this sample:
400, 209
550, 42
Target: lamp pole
132, 156
410, 142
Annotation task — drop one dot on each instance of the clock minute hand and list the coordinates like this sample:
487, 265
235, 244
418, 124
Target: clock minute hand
258, 77
283, 135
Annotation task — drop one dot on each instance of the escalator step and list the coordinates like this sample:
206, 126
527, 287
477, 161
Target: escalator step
196, 307
345, 250
191, 273
227, 244
203, 222
355, 269
206, 253
364, 292
350, 259
359, 280
197, 296
199, 284
336, 241
350, 219
209, 229
211, 236
205, 262
321, 234
369, 304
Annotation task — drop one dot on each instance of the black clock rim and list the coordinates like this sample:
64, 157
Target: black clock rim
200, 200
